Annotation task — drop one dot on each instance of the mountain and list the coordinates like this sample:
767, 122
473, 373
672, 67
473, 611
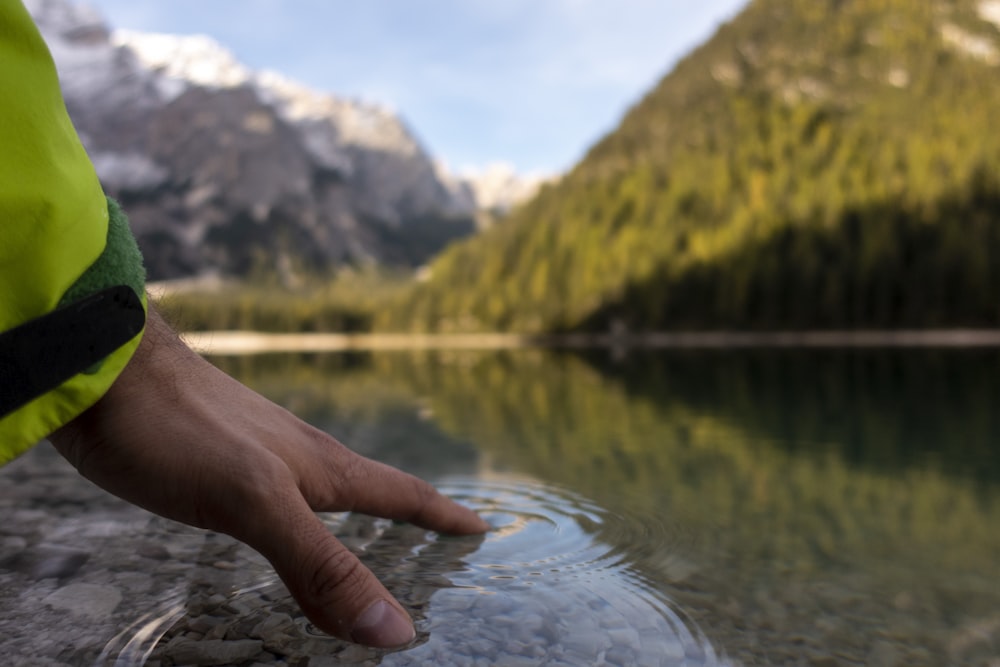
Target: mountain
815, 164
224, 170
498, 187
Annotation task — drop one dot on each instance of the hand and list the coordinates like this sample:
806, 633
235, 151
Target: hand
180, 438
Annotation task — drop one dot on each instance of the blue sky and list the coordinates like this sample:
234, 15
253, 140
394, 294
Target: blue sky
529, 82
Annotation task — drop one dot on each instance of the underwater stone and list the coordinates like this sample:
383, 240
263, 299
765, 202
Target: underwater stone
214, 651
45, 562
89, 600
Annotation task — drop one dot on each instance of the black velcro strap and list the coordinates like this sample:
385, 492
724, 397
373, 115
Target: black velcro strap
45, 352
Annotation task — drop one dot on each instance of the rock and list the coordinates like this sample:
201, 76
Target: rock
222, 629
153, 551
273, 624
884, 654
12, 544
620, 655
203, 624
88, 600
336, 661
46, 562
214, 651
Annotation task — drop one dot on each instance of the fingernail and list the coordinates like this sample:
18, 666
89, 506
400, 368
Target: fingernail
483, 525
383, 626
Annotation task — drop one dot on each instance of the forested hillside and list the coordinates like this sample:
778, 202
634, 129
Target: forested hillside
817, 163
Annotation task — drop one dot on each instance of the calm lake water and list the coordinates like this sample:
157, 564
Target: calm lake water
677, 508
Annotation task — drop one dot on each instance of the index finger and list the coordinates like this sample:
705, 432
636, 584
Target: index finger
344, 480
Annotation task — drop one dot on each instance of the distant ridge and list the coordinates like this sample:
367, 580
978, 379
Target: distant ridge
228, 171
816, 164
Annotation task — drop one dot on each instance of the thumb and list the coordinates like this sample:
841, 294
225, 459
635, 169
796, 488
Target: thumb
334, 589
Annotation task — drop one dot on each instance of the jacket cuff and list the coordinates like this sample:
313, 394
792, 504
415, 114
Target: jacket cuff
119, 264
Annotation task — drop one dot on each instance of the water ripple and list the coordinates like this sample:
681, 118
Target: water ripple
556, 581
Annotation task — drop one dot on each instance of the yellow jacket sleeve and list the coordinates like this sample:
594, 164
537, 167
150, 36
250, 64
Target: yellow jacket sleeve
54, 222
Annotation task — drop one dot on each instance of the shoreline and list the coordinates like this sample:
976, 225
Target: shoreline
234, 343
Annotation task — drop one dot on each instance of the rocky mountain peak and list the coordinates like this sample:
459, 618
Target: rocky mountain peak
497, 187
359, 123
226, 169
184, 60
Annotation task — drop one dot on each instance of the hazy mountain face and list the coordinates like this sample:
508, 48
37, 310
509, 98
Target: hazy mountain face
226, 170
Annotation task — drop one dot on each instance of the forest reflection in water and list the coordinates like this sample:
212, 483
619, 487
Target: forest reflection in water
795, 505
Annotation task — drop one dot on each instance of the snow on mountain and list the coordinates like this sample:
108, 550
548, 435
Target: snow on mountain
182, 61
357, 123
354, 138
223, 168
498, 186
90, 66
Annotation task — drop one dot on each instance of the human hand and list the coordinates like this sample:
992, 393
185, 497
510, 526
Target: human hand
182, 439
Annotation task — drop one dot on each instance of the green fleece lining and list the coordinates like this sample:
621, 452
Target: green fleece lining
119, 264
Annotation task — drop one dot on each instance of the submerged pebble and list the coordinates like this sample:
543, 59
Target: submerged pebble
86, 600
474, 600
68, 590
45, 561
212, 651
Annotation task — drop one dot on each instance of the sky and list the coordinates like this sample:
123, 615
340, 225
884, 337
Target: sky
532, 83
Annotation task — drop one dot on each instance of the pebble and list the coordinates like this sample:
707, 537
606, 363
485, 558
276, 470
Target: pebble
620, 655
12, 545
86, 600
824, 661
48, 562
153, 551
273, 624
214, 651
884, 654
68, 588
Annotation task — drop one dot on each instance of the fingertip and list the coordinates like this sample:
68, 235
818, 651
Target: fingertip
481, 525
382, 625
467, 522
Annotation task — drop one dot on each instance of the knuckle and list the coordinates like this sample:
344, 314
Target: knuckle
423, 492
346, 475
251, 499
328, 481
422, 495
258, 486
337, 574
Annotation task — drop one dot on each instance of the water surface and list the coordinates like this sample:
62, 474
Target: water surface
678, 508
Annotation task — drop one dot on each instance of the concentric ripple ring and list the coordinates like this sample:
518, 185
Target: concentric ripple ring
544, 586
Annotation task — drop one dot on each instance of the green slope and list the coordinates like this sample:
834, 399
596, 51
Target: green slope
817, 163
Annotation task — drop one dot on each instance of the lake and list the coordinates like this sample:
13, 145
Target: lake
745, 507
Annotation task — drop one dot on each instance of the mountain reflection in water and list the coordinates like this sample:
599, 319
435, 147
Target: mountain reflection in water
746, 507
794, 504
